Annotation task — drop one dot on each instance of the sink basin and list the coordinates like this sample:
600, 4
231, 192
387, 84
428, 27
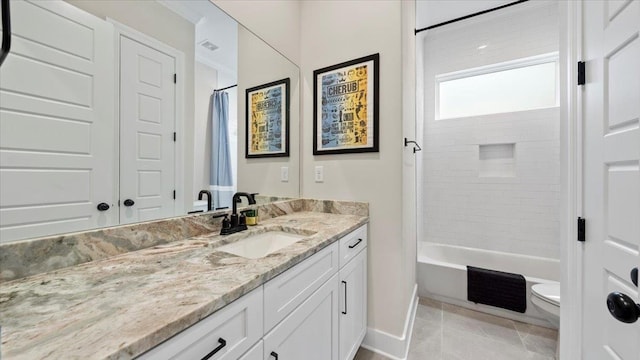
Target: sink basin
260, 245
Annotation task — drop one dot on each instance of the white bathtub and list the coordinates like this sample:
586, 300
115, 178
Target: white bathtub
442, 275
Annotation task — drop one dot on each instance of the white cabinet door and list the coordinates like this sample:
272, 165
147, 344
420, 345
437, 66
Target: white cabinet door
311, 331
353, 305
57, 123
147, 124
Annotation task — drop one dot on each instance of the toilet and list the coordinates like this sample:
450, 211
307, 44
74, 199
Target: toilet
546, 298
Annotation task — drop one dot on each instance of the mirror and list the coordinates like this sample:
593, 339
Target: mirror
108, 114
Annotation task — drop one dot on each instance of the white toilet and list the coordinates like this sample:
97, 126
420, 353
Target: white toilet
546, 298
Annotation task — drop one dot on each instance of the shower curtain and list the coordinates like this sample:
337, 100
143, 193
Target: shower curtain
221, 178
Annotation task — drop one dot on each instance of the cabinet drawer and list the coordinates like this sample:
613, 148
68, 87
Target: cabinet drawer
288, 290
233, 329
352, 243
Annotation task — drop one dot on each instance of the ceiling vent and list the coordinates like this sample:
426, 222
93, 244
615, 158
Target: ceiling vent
208, 45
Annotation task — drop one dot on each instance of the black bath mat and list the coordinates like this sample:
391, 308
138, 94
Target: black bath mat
497, 288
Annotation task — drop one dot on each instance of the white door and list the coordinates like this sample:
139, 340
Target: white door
611, 174
353, 313
57, 123
147, 125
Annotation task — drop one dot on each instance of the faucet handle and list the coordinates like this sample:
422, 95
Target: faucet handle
226, 223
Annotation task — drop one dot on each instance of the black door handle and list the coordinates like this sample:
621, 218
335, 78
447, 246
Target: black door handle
103, 206
222, 343
634, 276
623, 308
129, 202
274, 354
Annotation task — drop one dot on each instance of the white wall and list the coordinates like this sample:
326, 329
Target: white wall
514, 214
334, 32
173, 30
275, 21
259, 64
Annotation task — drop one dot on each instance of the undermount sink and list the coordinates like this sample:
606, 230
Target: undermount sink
260, 245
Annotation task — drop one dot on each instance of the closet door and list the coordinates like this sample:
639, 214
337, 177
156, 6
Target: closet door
57, 124
147, 123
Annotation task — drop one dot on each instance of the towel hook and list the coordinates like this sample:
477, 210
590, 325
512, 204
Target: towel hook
415, 148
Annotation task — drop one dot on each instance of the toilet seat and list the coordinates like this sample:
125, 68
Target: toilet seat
549, 292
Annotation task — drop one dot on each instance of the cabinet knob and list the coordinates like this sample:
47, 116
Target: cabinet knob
129, 202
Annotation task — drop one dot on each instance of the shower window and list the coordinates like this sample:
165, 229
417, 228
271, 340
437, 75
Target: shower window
519, 85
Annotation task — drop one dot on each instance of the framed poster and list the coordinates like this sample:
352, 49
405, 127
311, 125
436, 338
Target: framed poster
345, 107
267, 120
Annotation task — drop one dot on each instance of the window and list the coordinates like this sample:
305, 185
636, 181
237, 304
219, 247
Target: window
523, 84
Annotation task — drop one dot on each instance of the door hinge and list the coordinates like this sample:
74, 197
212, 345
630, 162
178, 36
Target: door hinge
581, 229
118, 202
174, 136
581, 73
175, 78
174, 194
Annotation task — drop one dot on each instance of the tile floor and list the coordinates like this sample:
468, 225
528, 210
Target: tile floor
447, 332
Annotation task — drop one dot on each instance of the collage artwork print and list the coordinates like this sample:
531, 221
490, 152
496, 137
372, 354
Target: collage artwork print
347, 117
266, 120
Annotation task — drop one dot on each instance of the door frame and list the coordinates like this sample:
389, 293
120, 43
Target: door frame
121, 29
571, 251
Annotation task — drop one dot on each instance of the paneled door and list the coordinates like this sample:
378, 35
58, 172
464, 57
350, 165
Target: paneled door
147, 125
611, 111
57, 122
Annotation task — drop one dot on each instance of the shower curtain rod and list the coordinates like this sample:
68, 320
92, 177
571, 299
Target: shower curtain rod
225, 88
469, 16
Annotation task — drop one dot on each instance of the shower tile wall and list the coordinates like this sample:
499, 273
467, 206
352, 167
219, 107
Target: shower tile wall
518, 214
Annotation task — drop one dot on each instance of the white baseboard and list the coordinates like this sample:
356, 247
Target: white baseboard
389, 345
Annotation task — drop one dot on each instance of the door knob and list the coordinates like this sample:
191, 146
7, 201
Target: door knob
103, 206
623, 308
634, 276
129, 202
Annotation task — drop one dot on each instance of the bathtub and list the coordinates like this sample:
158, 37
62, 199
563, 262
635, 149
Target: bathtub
442, 275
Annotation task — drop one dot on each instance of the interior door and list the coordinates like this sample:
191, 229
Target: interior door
611, 111
147, 123
57, 123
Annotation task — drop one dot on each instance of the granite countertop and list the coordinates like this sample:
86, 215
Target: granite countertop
122, 306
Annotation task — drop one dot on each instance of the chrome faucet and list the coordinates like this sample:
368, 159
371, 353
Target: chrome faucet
209, 200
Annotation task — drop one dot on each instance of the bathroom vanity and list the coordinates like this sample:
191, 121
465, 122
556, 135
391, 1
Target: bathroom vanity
315, 310
187, 299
